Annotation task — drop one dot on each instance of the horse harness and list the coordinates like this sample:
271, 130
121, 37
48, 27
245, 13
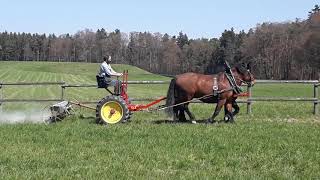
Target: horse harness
236, 89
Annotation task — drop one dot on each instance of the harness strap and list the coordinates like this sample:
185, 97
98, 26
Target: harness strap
202, 97
215, 85
231, 79
233, 83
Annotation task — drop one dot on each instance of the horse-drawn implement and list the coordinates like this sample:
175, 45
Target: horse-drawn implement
114, 108
183, 89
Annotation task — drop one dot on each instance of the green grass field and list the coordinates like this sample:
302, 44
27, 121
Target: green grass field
279, 140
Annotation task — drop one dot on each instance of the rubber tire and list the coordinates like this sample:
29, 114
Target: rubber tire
126, 114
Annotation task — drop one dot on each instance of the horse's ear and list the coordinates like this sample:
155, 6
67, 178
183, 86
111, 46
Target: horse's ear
243, 67
249, 66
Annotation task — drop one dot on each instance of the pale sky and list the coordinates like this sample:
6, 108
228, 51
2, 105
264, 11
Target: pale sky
196, 18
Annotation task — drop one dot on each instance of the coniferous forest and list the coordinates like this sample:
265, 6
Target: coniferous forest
286, 50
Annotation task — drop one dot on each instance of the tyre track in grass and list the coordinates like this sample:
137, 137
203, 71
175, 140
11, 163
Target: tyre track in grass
5, 79
86, 79
36, 78
28, 77
3, 75
27, 91
47, 91
75, 92
58, 89
87, 93
36, 91
32, 89
74, 96
20, 77
36, 71
92, 93
77, 79
54, 77
14, 91
8, 77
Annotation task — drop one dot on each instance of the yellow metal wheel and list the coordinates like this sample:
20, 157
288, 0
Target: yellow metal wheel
111, 112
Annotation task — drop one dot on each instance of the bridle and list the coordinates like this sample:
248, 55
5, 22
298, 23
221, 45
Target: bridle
249, 83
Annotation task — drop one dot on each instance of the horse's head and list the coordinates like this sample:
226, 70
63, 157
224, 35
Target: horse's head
245, 75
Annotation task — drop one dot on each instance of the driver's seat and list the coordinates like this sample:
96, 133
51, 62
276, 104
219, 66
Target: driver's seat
101, 81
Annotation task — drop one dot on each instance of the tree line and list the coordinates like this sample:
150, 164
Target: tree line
288, 50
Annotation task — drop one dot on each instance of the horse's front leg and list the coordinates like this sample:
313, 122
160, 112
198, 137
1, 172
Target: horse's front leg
228, 114
220, 104
236, 107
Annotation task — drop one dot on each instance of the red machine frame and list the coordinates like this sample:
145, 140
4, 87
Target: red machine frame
125, 97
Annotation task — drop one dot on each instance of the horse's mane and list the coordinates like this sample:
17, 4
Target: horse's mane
221, 67
215, 69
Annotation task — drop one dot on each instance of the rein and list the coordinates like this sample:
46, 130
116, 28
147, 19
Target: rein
202, 97
231, 78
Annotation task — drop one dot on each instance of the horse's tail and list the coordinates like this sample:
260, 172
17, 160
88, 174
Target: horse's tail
170, 97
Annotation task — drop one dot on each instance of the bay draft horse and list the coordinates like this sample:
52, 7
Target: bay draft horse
184, 87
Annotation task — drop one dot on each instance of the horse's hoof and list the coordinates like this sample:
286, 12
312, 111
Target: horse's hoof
231, 121
194, 122
210, 121
228, 119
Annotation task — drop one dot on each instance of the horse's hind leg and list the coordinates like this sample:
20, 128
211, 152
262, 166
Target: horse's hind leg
175, 114
178, 114
182, 116
192, 118
217, 110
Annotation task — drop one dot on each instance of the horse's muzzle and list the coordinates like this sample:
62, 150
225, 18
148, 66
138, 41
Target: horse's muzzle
251, 83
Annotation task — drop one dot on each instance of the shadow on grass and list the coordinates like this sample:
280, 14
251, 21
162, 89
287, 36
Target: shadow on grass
90, 119
203, 121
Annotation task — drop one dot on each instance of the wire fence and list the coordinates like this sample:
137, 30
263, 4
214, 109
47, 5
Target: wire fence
248, 101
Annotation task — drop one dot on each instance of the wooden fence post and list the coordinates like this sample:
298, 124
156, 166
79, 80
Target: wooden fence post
249, 100
315, 95
1, 97
62, 92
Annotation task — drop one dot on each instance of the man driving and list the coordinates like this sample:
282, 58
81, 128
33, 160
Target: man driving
107, 72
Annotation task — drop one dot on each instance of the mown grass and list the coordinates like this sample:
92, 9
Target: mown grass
279, 140
77, 148
71, 73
